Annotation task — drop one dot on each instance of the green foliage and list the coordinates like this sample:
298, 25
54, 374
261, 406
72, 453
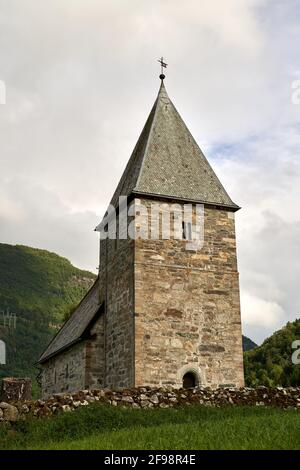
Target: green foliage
271, 363
69, 311
39, 287
193, 427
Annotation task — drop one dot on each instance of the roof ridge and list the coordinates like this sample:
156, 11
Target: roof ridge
162, 87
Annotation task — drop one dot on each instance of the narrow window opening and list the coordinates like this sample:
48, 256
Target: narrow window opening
186, 231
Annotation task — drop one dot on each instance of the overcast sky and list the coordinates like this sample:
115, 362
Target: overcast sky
81, 77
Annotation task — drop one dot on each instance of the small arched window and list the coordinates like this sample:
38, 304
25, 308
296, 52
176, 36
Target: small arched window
189, 380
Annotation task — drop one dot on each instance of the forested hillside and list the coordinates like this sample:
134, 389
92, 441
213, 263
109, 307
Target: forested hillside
271, 363
36, 289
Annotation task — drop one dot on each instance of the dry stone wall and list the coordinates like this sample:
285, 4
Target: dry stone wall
15, 389
146, 397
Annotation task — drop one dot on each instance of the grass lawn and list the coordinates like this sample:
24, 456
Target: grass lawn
191, 427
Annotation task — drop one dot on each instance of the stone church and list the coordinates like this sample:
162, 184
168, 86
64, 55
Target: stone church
158, 314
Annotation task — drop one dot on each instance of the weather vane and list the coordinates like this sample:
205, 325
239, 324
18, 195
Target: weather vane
163, 66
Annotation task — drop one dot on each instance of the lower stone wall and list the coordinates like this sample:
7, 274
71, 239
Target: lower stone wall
146, 397
180, 328
65, 372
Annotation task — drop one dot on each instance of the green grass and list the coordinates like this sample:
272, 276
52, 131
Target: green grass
105, 427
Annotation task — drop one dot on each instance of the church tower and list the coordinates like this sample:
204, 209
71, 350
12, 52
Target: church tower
164, 310
172, 313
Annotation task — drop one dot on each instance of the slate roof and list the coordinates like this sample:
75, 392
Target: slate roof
167, 161
76, 326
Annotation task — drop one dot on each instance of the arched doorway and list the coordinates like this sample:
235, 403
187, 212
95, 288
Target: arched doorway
189, 380
190, 375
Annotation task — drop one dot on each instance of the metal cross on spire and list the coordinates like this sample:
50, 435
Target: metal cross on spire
163, 65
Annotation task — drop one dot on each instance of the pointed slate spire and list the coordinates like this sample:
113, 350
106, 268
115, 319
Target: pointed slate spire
167, 162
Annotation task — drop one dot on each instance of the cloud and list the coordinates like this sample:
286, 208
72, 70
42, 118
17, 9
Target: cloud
36, 217
264, 176
259, 312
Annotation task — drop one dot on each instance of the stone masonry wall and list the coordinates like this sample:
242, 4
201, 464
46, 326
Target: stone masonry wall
187, 308
116, 273
65, 372
95, 356
81, 366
